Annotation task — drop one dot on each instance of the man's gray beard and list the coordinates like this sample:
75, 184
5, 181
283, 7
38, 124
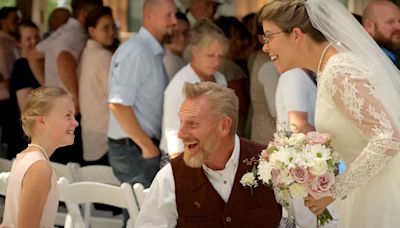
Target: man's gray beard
199, 159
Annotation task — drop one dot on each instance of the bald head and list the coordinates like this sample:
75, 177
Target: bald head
159, 17
381, 19
58, 17
376, 8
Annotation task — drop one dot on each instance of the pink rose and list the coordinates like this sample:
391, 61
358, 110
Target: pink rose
300, 174
321, 185
317, 138
276, 177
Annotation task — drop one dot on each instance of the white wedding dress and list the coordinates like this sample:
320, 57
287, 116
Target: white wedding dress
368, 193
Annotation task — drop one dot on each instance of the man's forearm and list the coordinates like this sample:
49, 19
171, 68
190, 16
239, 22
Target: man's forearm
66, 65
126, 118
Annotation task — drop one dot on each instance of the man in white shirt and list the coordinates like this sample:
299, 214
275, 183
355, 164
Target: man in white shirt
61, 51
295, 99
201, 187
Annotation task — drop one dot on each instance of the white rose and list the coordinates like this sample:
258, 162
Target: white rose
248, 179
319, 168
298, 190
264, 171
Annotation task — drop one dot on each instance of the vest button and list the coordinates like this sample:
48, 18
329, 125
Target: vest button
228, 219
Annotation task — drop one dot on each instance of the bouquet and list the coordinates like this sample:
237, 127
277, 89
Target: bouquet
297, 165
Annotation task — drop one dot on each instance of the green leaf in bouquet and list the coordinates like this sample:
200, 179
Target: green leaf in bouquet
272, 149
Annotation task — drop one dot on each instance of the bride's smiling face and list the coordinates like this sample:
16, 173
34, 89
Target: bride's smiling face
279, 45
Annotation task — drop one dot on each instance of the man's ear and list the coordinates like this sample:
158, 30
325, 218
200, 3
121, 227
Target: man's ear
369, 26
225, 126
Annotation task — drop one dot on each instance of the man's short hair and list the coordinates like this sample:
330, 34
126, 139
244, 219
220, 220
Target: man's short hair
222, 101
87, 5
5, 11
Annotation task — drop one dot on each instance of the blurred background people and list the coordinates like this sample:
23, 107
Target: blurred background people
202, 9
175, 45
59, 16
234, 65
381, 19
209, 45
22, 82
93, 85
8, 54
54, 62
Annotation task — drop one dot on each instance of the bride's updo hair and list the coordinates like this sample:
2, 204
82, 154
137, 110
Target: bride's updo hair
290, 14
39, 103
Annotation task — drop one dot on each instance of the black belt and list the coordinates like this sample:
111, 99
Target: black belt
130, 142
123, 141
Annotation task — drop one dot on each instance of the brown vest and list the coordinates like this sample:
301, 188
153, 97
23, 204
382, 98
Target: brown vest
199, 205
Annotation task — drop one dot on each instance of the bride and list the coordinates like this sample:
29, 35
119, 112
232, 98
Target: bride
357, 103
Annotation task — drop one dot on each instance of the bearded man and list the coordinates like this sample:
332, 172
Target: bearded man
201, 187
381, 19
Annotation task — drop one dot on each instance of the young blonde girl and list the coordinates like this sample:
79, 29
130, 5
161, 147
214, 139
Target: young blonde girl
48, 119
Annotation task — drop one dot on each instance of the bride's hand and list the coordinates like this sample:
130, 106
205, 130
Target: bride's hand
317, 206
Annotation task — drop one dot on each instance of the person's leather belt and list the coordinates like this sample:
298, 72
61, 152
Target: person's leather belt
123, 141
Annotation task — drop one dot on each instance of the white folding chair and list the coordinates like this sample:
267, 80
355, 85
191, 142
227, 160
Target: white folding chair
93, 192
3, 190
94, 173
140, 193
5, 165
65, 171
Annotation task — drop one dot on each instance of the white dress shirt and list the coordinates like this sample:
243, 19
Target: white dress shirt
173, 98
70, 37
159, 207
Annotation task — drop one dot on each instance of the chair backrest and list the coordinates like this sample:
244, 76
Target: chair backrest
5, 165
64, 171
3, 182
94, 192
140, 193
95, 173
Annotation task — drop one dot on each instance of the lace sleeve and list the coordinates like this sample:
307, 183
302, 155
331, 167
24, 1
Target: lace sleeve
354, 96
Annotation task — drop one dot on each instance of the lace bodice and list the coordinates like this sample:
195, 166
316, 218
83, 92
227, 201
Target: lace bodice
362, 131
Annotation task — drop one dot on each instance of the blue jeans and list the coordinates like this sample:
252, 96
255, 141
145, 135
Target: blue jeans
129, 165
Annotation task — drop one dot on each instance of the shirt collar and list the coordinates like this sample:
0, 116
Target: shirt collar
233, 160
155, 46
389, 53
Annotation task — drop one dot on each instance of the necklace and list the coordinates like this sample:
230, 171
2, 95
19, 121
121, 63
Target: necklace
322, 56
41, 148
